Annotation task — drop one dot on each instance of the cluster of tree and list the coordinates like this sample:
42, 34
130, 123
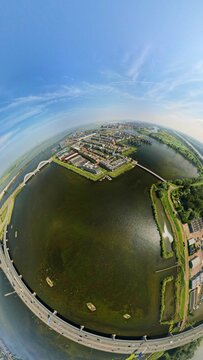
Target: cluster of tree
182, 353
160, 188
190, 204
187, 181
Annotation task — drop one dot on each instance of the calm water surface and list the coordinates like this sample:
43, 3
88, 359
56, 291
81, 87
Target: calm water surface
29, 339
97, 242
164, 161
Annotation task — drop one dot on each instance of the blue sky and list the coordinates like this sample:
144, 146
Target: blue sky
65, 63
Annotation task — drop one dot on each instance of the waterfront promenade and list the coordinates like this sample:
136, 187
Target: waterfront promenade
78, 333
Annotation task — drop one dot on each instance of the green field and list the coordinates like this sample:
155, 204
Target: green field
130, 151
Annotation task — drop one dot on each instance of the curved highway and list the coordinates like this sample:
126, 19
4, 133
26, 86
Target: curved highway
79, 334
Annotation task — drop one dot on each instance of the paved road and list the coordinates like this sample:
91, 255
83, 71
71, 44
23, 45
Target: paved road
82, 336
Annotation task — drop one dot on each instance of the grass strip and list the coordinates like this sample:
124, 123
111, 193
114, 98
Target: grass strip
86, 174
163, 306
165, 254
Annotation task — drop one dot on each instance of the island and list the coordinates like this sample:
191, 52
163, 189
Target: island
102, 154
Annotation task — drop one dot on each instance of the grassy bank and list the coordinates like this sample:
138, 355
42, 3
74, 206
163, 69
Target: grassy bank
198, 183
81, 172
121, 170
3, 212
7, 210
180, 255
131, 150
165, 254
155, 356
165, 318
178, 246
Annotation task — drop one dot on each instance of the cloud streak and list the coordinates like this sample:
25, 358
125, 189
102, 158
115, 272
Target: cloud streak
175, 91
136, 63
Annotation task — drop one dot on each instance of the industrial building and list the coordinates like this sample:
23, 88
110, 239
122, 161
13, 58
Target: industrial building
196, 225
194, 262
193, 302
196, 280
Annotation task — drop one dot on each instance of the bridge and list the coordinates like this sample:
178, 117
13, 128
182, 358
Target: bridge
168, 268
151, 172
78, 333
29, 175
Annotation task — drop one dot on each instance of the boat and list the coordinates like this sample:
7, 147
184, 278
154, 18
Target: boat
108, 177
16, 234
49, 282
126, 316
91, 306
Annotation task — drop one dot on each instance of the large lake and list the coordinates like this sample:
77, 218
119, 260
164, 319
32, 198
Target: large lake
98, 242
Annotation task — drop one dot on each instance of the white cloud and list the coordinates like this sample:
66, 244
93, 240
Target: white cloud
174, 96
4, 139
136, 63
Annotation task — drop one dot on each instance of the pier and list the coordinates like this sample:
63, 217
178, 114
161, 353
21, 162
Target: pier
168, 268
